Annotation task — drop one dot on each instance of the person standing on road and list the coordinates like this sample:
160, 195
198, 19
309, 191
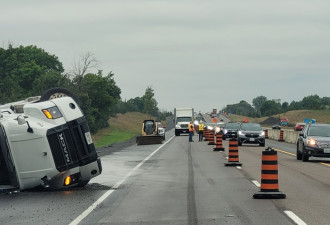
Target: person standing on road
200, 130
191, 131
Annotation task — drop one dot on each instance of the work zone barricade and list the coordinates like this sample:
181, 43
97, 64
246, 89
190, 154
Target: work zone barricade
206, 135
211, 137
266, 134
218, 143
233, 159
269, 188
281, 136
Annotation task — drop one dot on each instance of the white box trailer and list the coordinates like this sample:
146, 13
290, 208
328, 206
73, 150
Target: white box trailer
182, 118
46, 143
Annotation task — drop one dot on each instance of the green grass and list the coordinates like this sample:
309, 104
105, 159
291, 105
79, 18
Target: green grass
115, 136
122, 128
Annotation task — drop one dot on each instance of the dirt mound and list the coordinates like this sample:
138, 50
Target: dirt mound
270, 121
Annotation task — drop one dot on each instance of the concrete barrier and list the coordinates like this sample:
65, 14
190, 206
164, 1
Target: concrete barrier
289, 136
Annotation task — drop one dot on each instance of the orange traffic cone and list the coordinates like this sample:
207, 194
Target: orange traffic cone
233, 159
218, 143
269, 188
206, 135
211, 138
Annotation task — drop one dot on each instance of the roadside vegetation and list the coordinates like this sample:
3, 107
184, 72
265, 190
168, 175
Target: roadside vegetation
28, 71
294, 116
261, 106
123, 127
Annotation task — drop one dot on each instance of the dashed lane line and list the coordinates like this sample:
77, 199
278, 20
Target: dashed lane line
108, 193
295, 218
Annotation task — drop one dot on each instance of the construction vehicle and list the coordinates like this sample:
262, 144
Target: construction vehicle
150, 133
45, 141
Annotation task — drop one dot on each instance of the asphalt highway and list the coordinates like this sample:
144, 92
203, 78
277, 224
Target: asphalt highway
181, 183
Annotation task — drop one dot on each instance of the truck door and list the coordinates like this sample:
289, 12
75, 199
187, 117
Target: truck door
8, 178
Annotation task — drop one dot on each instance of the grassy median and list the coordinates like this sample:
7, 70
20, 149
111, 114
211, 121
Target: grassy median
122, 128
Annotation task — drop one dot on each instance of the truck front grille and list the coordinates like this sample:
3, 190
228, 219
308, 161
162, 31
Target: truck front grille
69, 145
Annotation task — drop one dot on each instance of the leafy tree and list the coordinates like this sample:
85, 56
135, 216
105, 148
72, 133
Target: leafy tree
326, 102
258, 102
149, 102
285, 106
312, 102
20, 67
98, 97
270, 107
136, 104
242, 108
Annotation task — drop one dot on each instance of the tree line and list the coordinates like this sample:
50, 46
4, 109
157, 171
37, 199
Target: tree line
261, 106
28, 71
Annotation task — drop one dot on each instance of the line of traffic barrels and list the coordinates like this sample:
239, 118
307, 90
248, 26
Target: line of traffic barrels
269, 188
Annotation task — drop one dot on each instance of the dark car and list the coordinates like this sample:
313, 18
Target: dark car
251, 133
299, 126
276, 126
314, 141
230, 130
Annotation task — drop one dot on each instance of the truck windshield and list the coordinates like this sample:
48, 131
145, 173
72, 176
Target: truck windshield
184, 119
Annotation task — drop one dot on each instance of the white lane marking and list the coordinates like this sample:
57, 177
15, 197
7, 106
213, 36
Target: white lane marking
238, 167
256, 183
295, 218
108, 193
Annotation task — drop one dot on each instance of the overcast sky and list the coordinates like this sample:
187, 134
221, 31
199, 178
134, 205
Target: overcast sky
203, 54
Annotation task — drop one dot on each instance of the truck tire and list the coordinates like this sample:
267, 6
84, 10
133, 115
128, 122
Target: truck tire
57, 92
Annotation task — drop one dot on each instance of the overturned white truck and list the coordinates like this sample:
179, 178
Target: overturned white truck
45, 141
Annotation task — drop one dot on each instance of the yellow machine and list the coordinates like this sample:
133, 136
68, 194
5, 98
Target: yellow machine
150, 134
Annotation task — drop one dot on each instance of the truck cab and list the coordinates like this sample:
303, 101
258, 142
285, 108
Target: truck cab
45, 143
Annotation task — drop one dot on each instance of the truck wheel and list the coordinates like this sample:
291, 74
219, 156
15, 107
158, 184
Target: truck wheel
57, 92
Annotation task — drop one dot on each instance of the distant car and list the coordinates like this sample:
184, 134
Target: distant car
230, 130
212, 126
251, 133
161, 130
276, 126
299, 126
314, 141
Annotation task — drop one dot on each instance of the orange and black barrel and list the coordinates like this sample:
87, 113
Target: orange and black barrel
266, 133
281, 136
218, 143
269, 188
206, 135
211, 137
233, 158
